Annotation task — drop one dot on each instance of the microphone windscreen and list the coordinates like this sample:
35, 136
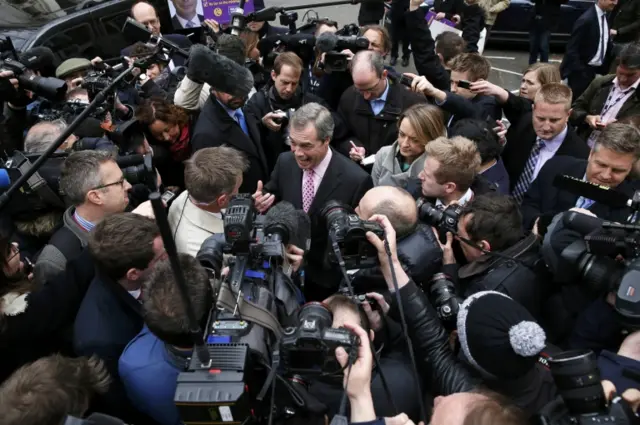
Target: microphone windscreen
281, 214
5, 180
221, 73
601, 194
581, 223
326, 42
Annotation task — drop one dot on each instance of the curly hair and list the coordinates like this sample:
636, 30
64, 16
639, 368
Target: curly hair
158, 109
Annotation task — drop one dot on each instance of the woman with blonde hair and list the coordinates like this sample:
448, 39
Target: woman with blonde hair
404, 159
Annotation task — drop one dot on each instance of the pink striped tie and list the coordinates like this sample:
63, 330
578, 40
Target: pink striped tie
308, 190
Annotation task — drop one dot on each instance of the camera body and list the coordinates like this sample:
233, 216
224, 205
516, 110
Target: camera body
309, 348
348, 231
283, 117
445, 220
443, 296
53, 89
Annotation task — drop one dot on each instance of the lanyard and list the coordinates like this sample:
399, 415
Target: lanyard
608, 104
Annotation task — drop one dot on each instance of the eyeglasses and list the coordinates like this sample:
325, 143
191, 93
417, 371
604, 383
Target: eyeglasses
369, 90
13, 251
103, 186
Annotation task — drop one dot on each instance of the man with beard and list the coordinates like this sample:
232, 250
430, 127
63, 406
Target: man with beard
271, 108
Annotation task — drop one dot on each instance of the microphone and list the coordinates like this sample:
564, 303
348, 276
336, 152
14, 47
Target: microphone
581, 223
220, 72
268, 14
285, 220
326, 42
601, 194
5, 178
238, 19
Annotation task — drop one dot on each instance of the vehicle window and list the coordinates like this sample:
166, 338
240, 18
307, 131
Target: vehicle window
72, 42
113, 24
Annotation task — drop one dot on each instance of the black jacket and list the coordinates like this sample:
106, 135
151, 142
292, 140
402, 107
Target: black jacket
448, 7
522, 279
627, 21
344, 181
366, 129
472, 24
444, 374
266, 101
423, 47
41, 328
583, 45
420, 256
480, 107
370, 13
549, 10
216, 128
522, 139
544, 200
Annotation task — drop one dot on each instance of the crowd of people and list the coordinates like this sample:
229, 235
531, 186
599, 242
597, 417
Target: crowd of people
91, 317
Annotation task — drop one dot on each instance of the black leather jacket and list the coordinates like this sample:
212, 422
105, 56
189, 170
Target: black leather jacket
443, 372
419, 254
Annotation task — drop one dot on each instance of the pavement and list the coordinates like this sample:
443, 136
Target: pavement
507, 65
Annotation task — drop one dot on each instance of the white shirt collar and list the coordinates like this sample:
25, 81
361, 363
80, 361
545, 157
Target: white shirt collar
463, 200
634, 86
183, 22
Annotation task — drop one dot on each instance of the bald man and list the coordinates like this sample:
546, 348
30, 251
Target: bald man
371, 107
418, 249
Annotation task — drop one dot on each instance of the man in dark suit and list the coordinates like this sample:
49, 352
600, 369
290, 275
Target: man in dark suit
532, 143
544, 19
123, 247
371, 107
462, 102
186, 14
146, 14
309, 176
590, 48
610, 162
222, 122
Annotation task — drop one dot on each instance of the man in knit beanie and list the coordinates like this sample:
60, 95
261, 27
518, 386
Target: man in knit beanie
502, 342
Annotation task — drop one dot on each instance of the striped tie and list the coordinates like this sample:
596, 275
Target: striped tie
527, 175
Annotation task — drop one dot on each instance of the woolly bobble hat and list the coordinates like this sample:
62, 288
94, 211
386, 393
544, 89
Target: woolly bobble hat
498, 336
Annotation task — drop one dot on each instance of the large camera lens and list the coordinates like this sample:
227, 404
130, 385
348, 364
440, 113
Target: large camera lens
51, 88
334, 211
315, 316
597, 273
577, 377
428, 213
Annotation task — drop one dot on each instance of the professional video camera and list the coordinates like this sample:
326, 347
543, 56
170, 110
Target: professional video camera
445, 220
347, 236
50, 88
583, 401
332, 45
68, 111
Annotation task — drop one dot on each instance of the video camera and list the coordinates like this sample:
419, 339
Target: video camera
53, 89
347, 237
582, 401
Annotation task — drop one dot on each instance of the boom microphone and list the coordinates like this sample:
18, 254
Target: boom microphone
284, 215
601, 194
220, 72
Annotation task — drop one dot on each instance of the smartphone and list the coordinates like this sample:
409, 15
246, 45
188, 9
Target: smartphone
464, 84
168, 197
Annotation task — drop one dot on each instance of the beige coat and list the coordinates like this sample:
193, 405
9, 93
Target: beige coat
492, 8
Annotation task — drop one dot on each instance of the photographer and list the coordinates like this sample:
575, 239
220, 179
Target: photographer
124, 247
271, 107
150, 364
94, 185
42, 135
212, 176
418, 250
393, 363
493, 223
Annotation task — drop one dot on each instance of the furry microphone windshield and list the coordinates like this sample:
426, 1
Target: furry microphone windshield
221, 73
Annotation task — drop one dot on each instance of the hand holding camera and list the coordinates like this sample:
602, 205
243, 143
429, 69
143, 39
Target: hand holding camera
383, 257
376, 311
270, 120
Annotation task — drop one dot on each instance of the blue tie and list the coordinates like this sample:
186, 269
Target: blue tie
527, 174
239, 116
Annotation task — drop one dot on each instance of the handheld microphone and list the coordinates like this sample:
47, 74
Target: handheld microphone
595, 192
220, 72
284, 215
327, 42
237, 19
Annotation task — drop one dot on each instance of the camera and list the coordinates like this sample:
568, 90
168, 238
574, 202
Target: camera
443, 296
348, 232
310, 347
583, 401
464, 84
445, 220
284, 116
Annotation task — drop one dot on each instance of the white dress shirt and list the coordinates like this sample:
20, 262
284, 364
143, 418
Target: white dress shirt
192, 225
195, 21
548, 151
604, 32
616, 98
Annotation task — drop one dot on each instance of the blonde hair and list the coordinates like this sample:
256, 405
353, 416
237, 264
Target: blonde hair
545, 72
459, 160
555, 94
426, 120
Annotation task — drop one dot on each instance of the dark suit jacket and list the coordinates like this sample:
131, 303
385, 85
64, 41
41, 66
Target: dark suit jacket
216, 128
176, 23
179, 40
344, 181
366, 129
583, 45
543, 199
519, 145
480, 107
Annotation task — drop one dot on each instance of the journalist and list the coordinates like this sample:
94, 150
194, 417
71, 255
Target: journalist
42, 135
448, 46
270, 108
459, 400
212, 176
418, 250
393, 364
124, 247
614, 153
371, 107
94, 185
461, 102
151, 362
493, 223
395, 164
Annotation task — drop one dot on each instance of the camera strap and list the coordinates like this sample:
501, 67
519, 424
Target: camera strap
36, 183
249, 311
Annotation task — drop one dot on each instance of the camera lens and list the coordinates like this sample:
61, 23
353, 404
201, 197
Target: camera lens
577, 377
333, 211
428, 213
315, 316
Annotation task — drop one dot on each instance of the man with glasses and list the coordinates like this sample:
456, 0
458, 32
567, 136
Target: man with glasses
95, 187
371, 107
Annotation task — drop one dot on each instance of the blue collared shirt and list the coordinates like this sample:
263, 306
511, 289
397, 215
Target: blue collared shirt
85, 224
237, 115
377, 105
